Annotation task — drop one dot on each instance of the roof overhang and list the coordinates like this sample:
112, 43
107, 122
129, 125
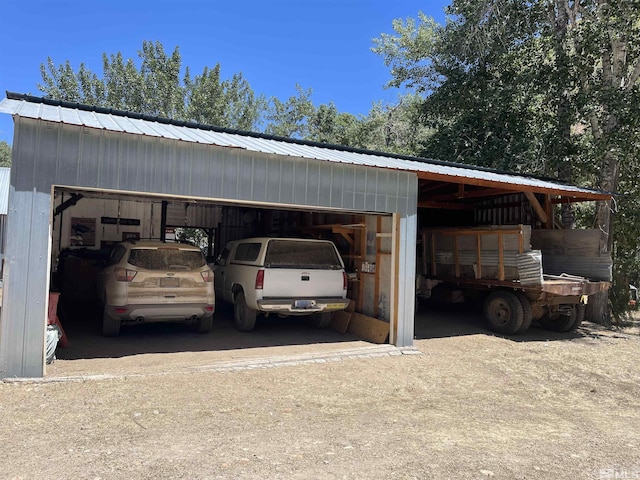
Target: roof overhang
475, 181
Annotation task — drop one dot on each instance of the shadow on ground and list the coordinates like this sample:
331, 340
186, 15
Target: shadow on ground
453, 320
82, 326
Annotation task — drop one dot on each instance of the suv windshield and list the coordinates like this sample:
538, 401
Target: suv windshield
166, 258
296, 254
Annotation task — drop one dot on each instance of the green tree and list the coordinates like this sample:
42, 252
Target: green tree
290, 118
545, 86
5, 154
154, 87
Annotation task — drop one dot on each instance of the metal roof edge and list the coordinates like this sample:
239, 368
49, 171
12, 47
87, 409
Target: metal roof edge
247, 133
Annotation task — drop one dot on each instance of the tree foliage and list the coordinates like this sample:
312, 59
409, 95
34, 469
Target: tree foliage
539, 86
5, 154
155, 87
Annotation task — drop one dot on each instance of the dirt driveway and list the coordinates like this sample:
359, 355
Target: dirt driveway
465, 404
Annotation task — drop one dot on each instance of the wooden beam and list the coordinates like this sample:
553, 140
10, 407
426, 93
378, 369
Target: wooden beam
515, 187
444, 206
75, 197
542, 215
483, 192
548, 206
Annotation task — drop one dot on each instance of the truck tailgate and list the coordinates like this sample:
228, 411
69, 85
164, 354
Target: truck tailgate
300, 283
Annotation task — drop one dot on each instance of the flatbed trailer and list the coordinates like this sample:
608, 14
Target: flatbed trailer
496, 267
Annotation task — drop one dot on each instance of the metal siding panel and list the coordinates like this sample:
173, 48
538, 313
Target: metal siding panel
5, 182
408, 233
299, 188
206, 173
182, 170
109, 164
324, 184
259, 180
337, 185
348, 191
313, 183
25, 287
287, 179
231, 172
371, 182
384, 186
130, 152
245, 176
272, 193
164, 166
89, 153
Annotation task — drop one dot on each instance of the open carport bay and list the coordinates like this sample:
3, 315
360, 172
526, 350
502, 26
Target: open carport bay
169, 347
87, 224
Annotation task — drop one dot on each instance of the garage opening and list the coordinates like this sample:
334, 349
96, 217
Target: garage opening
87, 225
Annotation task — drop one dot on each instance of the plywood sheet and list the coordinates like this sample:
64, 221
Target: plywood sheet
368, 328
340, 321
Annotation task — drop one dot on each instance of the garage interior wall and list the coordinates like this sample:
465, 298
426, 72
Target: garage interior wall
50, 153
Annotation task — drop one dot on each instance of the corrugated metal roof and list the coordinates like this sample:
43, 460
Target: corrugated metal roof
137, 124
5, 180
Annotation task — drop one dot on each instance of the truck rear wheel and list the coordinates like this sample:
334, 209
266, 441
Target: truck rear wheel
503, 312
568, 322
244, 318
527, 312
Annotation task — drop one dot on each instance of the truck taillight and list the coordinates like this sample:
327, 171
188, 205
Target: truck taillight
124, 274
207, 276
260, 280
345, 281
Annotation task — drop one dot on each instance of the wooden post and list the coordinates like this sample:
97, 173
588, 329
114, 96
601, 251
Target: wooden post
478, 257
500, 256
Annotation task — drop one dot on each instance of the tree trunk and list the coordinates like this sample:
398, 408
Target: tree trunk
598, 307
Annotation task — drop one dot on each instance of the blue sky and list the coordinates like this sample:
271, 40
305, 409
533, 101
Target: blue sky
320, 44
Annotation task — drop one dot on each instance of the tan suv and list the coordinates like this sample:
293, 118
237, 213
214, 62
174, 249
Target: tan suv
154, 281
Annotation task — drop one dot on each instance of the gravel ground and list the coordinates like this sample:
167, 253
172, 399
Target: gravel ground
463, 404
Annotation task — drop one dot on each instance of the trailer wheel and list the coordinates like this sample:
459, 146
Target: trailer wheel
527, 312
504, 312
579, 310
243, 317
564, 322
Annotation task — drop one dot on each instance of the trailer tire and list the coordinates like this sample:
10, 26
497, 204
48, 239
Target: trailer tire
503, 312
579, 317
527, 312
564, 323
244, 318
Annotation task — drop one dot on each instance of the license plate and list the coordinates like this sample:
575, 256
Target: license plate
169, 282
304, 304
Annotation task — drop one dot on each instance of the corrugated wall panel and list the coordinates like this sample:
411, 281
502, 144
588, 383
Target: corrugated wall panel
102, 159
25, 296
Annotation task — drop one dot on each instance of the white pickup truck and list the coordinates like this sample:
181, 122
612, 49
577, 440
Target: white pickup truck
283, 276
